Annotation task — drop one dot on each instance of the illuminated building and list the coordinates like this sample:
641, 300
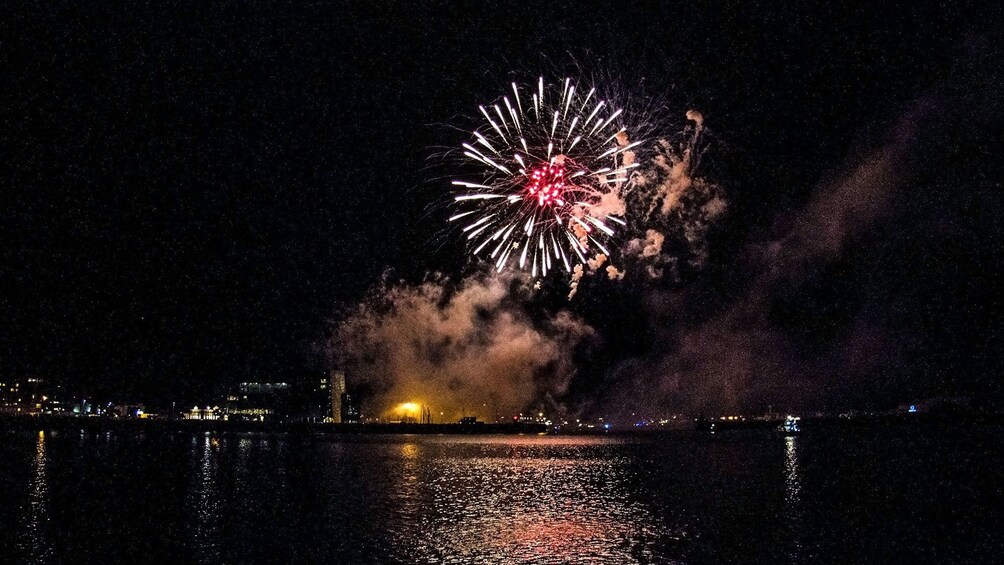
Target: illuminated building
304, 398
351, 412
311, 401
533, 418
128, 410
337, 383
207, 413
9, 397
22, 396
85, 408
57, 407
258, 401
263, 388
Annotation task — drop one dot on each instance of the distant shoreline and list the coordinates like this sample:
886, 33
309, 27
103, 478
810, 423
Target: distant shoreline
43, 422
133, 424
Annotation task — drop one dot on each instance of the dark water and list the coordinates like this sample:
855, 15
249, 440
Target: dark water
861, 496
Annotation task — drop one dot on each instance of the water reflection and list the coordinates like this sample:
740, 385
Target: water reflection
792, 493
409, 451
407, 498
35, 541
525, 499
203, 499
272, 498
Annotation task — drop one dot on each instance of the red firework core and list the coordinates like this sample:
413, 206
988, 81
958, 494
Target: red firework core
546, 183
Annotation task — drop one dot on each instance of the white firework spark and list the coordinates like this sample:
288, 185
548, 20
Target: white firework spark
549, 160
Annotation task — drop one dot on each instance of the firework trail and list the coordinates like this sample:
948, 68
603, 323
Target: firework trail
548, 167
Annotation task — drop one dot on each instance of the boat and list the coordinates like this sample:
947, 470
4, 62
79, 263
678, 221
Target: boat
789, 426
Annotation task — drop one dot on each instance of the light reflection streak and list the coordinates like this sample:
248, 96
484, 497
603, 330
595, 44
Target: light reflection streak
35, 541
243, 473
407, 497
793, 493
527, 499
203, 500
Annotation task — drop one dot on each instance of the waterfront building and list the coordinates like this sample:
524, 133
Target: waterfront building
306, 397
336, 382
351, 409
22, 396
312, 397
86, 408
128, 410
207, 413
258, 401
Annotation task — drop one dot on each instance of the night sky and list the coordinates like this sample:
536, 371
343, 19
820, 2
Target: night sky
195, 193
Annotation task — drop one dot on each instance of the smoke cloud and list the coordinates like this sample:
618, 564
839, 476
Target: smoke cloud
840, 211
740, 358
667, 199
466, 347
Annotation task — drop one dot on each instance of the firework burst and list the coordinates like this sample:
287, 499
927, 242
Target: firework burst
548, 167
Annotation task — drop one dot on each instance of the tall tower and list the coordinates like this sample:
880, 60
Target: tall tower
337, 388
